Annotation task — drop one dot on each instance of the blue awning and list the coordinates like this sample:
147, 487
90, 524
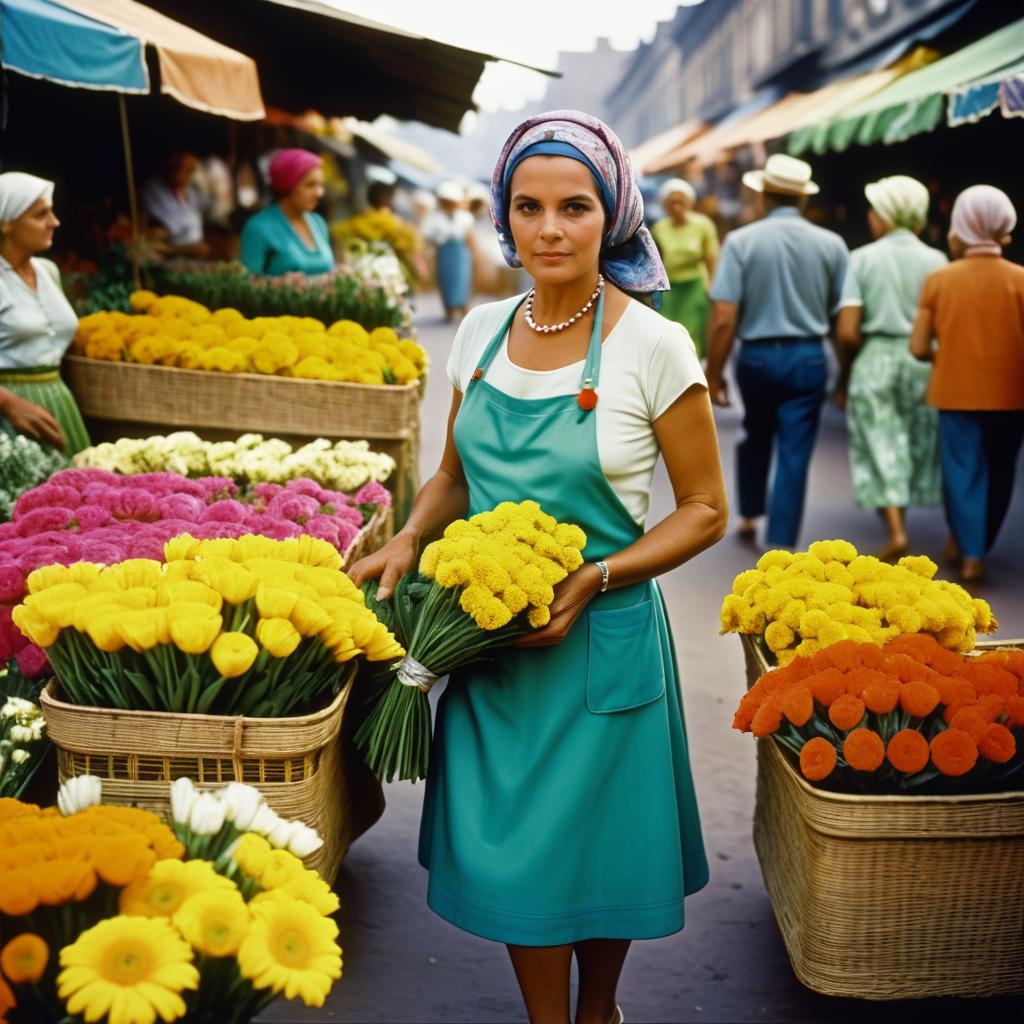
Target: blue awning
975, 100
42, 39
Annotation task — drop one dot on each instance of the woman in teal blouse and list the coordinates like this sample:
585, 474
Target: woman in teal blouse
288, 235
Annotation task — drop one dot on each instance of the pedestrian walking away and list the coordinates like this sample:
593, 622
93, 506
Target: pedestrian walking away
544, 759
893, 433
777, 289
688, 243
450, 227
971, 324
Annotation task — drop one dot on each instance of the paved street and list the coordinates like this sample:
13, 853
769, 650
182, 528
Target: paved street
404, 964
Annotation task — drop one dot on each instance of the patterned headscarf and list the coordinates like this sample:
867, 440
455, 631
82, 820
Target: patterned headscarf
629, 257
899, 200
982, 217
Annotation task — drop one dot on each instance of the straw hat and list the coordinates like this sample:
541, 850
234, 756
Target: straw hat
784, 174
451, 191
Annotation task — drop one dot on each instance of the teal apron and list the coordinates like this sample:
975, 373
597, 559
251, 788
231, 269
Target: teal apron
559, 804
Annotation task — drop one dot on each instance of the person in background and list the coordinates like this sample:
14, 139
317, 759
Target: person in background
893, 434
488, 261
974, 310
37, 323
172, 201
450, 229
380, 195
688, 243
288, 235
777, 288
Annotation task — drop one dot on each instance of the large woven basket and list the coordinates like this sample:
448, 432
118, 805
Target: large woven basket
297, 763
892, 897
374, 535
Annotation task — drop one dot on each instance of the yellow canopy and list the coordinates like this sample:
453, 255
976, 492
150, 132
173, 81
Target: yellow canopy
194, 69
646, 158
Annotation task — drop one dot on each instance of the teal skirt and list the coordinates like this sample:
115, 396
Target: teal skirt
42, 385
687, 304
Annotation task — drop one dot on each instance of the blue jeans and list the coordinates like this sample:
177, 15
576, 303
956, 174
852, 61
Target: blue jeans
783, 385
979, 454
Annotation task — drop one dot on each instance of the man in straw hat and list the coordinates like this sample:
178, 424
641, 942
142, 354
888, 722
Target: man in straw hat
778, 286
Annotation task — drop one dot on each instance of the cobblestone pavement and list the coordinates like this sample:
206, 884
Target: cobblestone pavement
404, 964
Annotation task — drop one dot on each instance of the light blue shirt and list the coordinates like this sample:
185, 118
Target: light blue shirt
36, 327
270, 245
785, 274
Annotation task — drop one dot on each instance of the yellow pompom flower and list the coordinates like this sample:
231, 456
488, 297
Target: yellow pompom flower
278, 636
128, 970
539, 617
142, 300
233, 654
214, 922
168, 885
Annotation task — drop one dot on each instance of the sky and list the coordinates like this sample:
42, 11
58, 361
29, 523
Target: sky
531, 31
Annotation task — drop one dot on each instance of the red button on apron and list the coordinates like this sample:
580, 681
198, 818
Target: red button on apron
587, 399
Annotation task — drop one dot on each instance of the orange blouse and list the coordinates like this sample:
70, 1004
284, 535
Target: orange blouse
977, 307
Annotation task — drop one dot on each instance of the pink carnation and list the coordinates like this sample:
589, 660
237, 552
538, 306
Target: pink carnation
146, 546
182, 506
211, 531
303, 485
82, 478
139, 505
11, 638
373, 493
296, 507
216, 487
91, 517
8, 531
227, 510
32, 661
264, 492
346, 534
100, 494
12, 584
281, 529
167, 528
324, 528
48, 495
40, 520
105, 552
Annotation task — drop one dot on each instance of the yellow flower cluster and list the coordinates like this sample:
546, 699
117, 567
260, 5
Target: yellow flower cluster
507, 560
802, 602
379, 225
175, 331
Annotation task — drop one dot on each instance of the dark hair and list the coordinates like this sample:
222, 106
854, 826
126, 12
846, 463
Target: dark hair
379, 192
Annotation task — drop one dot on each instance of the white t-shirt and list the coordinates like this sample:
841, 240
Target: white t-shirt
441, 227
647, 362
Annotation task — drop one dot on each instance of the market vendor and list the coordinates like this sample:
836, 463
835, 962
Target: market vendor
173, 204
289, 235
37, 323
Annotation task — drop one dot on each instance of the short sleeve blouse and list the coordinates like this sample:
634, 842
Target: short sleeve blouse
270, 245
647, 362
36, 327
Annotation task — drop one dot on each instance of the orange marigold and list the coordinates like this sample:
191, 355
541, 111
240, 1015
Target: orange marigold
817, 759
18, 894
749, 703
844, 655
919, 699
827, 685
991, 707
864, 750
998, 744
1014, 712
24, 958
906, 668
121, 859
7, 1000
971, 722
798, 704
768, 717
954, 752
882, 694
907, 751
846, 712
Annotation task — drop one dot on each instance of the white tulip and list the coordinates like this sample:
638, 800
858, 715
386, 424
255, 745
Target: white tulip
304, 841
183, 796
207, 815
19, 756
282, 835
22, 734
78, 793
265, 821
241, 804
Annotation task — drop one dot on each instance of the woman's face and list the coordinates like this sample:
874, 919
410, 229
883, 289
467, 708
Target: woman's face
33, 231
556, 218
676, 206
307, 194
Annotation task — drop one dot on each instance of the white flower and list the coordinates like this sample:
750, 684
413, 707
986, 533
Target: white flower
19, 756
183, 796
304, 840
241, 804
282, 835
22, 734
16, 707
78, 793
265, 821
207, 815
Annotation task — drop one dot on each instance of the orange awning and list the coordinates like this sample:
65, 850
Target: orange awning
645, 157
194, 69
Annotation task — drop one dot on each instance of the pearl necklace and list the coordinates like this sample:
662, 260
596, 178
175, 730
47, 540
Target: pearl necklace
555, 328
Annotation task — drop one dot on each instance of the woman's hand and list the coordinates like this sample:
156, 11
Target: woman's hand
572, 595
389, 564
28, 418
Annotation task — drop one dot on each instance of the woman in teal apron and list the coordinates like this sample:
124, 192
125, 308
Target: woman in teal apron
560, 816
37, 323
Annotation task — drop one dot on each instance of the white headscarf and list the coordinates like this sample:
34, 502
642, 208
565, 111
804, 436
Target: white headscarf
982, 216
676, 185
18, 191
899, 200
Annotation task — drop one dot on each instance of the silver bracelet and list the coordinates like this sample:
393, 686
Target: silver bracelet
604, 576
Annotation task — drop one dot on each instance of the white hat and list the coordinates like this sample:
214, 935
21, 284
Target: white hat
451, 191
477, 192
784, 174
677, 185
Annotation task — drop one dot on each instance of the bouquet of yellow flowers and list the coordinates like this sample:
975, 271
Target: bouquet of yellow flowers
105, 915
246, 626
488, 581
802, 602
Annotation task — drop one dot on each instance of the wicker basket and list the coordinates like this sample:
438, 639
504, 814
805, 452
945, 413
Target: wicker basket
297, 763
375, 534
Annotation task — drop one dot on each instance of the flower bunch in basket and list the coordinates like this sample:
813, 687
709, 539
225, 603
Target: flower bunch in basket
105, 915
801, 603
488, 581
908, 717
341, 466
250, 627
22, 742
23, 464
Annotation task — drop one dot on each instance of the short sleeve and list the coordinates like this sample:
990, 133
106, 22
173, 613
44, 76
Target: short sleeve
728, 283
851, 295
674, 369
710, 237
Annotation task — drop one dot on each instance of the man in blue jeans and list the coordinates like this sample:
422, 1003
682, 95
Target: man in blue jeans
778, 286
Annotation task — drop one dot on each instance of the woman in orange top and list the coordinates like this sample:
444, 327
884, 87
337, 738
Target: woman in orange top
974, 308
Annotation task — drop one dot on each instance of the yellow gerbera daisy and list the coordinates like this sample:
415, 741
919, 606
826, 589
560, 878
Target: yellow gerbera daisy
129, 970
214, 921
290, 948
168, 885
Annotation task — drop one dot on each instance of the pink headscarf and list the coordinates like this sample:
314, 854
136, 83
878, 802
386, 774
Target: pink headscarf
289, 167
982, 217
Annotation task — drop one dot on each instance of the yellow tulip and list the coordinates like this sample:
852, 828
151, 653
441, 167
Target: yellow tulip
383, 646
308, 617
137, 598
231, 580
57, 604
233, 654
104, 631
180, 547
176, 592
135, 572
275, 602
145, 629
278, 636
48, 576
194, 627
37, 628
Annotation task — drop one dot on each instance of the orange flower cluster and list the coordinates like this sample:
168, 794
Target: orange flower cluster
861, 707
47, 860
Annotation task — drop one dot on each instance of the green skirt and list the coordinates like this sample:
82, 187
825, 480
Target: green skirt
42, 385
687, 304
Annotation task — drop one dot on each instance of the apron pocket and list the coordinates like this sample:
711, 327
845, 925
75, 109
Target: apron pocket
624, 663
